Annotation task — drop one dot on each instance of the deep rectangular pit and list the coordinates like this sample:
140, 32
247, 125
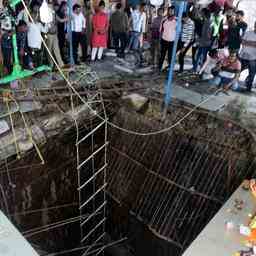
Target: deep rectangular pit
162, 189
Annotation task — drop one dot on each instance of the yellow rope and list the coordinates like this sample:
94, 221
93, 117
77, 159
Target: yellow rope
6, 98
29, 132
103, 118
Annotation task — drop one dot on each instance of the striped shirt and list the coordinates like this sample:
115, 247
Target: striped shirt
188, 28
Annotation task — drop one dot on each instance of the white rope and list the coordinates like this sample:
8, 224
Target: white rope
103, 118
29, 131
54, 61
48, 227
43, 209
167, 128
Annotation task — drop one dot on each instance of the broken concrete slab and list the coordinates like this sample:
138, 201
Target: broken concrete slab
111, 50
215, 103
124, 69
40, 82
144, 70
251, 105
23, 140
131, 60
24, 107
80, 112
28, 106
4, 127
52, 124
136, 101
111, 54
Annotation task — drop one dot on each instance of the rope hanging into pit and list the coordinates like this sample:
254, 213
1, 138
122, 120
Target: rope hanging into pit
7, 97
104, 118
72, 88
29, 131
38, 230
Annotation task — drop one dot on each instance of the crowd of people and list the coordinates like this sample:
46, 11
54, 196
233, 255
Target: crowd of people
219, 43
216, 39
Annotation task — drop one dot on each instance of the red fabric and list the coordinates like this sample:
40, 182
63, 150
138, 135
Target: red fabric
217, 4
220, 3
234, 66
229, 4
100, 30
213, 7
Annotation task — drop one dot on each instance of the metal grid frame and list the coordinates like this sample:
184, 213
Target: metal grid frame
92, 184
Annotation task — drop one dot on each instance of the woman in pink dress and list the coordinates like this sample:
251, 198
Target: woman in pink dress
100, 31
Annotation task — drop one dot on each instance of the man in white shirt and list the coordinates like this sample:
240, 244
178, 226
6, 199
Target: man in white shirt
248, 56
78, 27
144, 23
34, 34
136, 28
34, 37
52, 38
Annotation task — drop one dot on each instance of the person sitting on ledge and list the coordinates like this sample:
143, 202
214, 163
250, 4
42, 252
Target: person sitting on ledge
227, 72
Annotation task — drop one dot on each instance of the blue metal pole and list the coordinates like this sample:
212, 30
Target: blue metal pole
70, 12
169, 85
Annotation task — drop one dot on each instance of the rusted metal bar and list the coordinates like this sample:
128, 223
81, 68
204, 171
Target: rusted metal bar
163, 206
159, 176
150, 184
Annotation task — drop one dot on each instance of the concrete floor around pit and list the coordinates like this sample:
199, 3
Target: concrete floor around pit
237, 106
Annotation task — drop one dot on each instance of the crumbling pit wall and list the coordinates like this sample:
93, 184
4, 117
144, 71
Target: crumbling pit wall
38, 195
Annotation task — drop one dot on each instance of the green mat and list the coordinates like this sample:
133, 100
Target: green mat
20, 74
